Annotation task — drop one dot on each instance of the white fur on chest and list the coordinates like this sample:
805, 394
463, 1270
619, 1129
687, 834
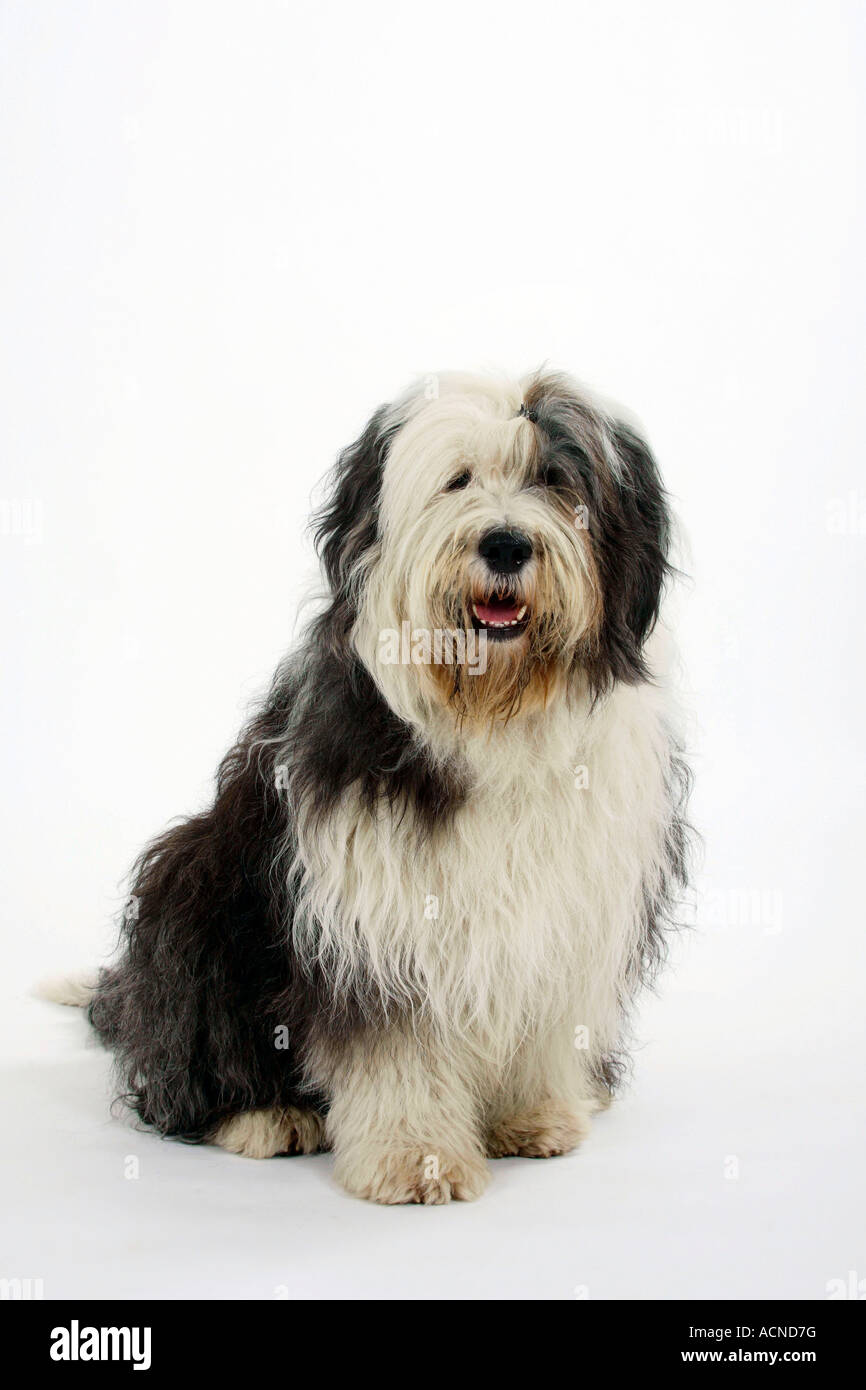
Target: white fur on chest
525, 910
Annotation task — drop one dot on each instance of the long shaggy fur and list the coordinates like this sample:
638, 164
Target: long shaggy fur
411, 924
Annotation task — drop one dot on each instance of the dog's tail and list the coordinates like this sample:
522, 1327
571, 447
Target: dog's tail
74, 990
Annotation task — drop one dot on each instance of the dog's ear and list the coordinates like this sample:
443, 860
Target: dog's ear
346, 525
631, 548
629, 522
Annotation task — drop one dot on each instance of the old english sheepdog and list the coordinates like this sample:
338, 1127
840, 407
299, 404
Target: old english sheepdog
442, 857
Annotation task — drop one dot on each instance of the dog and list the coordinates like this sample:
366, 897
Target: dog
412, 924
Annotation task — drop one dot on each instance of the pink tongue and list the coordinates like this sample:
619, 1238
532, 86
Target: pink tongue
497, 612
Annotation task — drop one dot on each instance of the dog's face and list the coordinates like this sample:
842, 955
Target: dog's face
517, 514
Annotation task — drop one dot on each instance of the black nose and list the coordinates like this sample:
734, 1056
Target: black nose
505, 551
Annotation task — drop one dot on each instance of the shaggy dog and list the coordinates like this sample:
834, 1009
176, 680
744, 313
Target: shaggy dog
430, 884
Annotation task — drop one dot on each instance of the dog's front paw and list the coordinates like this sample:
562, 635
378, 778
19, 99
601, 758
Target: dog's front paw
264, 1133
540, 1132
409, 1174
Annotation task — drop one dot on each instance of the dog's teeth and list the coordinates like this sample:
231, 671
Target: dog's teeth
492, 623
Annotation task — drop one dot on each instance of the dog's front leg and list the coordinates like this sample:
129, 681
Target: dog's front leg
403, 1121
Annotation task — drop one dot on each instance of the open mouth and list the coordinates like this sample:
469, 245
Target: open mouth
501, 616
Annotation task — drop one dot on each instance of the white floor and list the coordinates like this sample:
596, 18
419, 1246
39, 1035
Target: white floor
733, 1167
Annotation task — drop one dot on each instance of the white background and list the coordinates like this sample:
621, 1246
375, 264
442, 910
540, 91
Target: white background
228, 232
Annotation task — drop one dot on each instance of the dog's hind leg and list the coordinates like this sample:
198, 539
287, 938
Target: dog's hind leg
265, 1133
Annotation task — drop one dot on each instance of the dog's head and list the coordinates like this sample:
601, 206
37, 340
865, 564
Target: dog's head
518, 516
